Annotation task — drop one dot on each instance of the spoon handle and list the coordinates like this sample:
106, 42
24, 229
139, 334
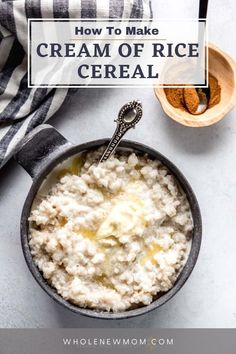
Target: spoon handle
129, 115
203, 5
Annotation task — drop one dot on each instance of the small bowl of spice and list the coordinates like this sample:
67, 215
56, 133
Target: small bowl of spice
200, 107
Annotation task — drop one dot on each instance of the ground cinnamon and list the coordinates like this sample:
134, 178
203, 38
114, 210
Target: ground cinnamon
188, 99
215, 91
175, 97
191, 99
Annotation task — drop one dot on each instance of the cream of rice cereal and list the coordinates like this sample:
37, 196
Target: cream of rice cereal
113, 235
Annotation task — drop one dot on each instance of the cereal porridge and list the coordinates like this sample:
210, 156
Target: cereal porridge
113, 235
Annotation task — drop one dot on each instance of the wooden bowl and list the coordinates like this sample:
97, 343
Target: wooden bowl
223, 67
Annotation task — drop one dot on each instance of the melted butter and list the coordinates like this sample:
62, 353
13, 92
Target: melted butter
103, 280
62, 172
77, 164
63, 221
126, 217
150, 254
134, 198
87, 233
75, 167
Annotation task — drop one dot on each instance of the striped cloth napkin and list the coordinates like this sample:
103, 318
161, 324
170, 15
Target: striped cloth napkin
23, 108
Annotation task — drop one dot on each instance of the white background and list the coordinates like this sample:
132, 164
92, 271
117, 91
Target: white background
207, 157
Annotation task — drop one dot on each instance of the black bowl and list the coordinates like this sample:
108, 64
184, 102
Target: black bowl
44, 149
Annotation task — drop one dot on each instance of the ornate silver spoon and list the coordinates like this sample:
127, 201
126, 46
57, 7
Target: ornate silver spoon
204, 96
129, 115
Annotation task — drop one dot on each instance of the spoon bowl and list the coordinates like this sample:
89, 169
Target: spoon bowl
203, 100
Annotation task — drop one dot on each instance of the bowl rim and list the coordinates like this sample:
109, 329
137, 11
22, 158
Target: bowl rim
184, 274
171, 112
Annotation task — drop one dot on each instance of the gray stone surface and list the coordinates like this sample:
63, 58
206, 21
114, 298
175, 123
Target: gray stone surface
207, 158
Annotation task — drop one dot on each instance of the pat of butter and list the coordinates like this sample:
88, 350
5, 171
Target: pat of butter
150, 254
125, 218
